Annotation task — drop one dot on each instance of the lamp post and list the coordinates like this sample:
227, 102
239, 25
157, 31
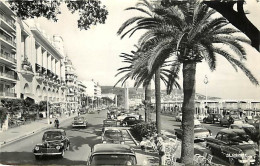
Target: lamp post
206, 81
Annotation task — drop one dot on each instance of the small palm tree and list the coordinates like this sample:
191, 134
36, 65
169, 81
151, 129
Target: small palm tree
190, 33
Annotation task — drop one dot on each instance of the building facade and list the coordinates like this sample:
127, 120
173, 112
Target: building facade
71, 82
31, 63
8, 54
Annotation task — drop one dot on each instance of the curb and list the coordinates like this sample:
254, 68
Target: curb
129, 133
28, 134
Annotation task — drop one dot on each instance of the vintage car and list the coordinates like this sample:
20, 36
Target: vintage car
248, 128
79, 122
54, 142
112, 135
130, 121
212, 118
234, 145
112, 154
200, 132
178, 117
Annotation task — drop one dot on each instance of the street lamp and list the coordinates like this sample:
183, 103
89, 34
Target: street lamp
206, 81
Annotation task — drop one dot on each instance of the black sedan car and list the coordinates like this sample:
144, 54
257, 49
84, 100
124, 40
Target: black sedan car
130, 121
112, 154
54, 142
212, 118
234, 145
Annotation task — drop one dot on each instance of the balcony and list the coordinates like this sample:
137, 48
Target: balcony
26, 69
8, 59
51, 81
45, 79
8, 94
8, 77
8, 40
8, 22
39, 77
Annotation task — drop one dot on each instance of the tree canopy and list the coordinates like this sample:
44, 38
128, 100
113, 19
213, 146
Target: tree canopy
91, 12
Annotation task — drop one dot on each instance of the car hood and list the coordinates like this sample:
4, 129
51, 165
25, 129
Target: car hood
112, 137
248, 149
200, 130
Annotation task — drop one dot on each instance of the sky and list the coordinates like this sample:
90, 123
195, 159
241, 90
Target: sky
95, 52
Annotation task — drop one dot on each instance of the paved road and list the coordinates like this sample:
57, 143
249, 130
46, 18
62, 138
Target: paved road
81, 141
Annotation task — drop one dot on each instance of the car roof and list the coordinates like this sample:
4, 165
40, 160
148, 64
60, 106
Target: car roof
54, 130
232, 131
112, 148
111, 128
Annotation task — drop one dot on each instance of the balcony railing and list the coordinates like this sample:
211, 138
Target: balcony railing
8, 75
8, 94
8, 21
8, 57
8, 39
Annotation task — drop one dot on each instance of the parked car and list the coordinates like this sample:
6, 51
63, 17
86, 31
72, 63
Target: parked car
130, 121
234, 145
200, 132
201, 117
79, 122
54, 142
212, 118
228, 120
112, 135
178, 117
112, 154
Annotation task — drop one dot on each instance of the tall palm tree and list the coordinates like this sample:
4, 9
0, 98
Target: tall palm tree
190, 33
138, 71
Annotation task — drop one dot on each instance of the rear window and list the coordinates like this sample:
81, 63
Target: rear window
113, 159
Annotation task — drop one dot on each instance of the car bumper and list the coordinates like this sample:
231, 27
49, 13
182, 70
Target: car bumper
79, 125
246, 161
47, 154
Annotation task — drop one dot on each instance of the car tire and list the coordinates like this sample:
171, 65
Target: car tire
37, 157
211, 150
62, 153
68, 147
232, 161
204, 120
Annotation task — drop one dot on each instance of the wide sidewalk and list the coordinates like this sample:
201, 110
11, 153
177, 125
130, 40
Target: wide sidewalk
23, 131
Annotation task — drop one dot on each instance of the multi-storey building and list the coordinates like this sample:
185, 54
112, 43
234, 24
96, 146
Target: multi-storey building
93, 92
71, 81
81, 95
31, 63
8, 54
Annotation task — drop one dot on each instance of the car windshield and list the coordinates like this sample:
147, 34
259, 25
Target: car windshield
79, 118
52, 136
113, 159
112, 133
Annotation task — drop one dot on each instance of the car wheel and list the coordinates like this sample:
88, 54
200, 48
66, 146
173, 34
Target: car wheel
37, 157
68, 147
211, 150
232, 161
124, 124
62, 153
204, 120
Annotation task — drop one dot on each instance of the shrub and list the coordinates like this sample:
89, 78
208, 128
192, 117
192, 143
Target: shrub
143, 129
3, 115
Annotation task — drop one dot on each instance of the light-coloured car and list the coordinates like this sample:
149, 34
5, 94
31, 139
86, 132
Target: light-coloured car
112, 135
79, 122
178, 118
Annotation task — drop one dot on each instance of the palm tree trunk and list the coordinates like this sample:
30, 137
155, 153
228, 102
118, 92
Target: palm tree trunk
158, 100
148, 96
188, 109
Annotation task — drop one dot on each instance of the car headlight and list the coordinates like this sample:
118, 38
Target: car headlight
62, 144
122, 142
104, 142
37, 148
57, 147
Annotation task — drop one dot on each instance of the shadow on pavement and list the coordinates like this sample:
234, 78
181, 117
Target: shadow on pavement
27, 158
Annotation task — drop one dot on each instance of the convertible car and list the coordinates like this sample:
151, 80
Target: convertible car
54, 142
234, 145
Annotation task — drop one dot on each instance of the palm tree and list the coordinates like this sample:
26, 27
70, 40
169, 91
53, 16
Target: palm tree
138, 71
190, 33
